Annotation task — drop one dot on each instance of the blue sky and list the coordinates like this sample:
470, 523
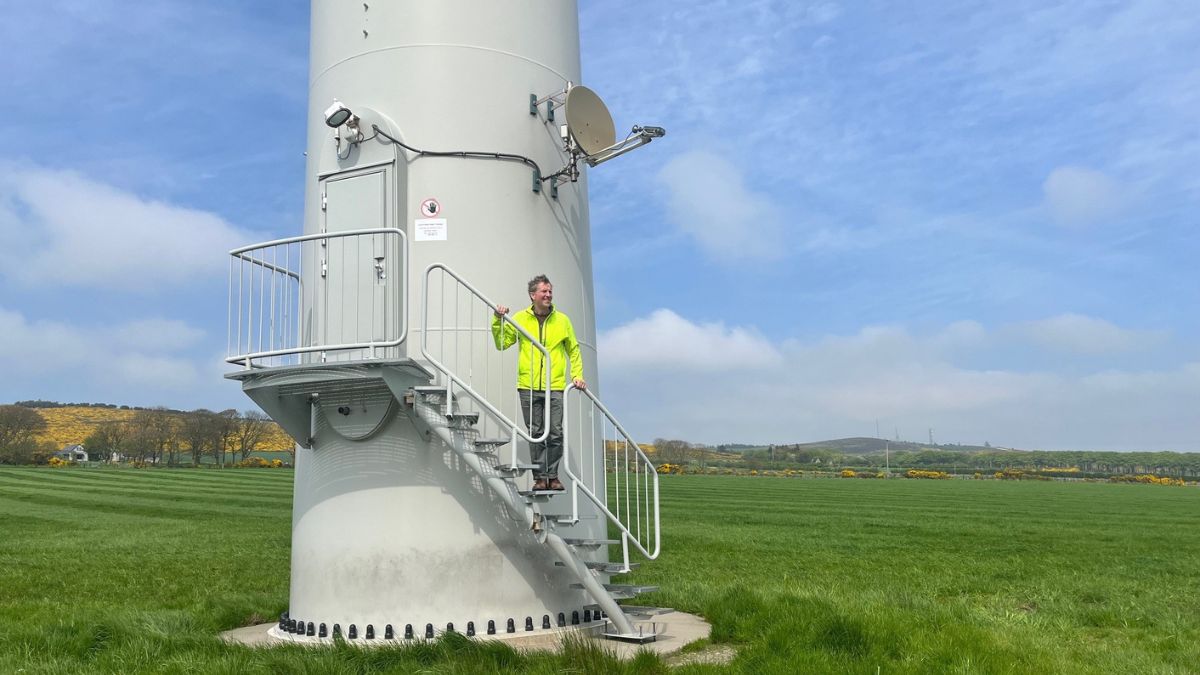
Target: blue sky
978, 218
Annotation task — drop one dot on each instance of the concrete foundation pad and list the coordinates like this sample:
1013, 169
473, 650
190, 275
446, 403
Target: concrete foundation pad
675, 629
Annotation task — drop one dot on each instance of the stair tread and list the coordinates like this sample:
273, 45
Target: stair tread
625, 588
610, 567
590, 542
535, 496
521, 466
631, 588
640, 610
492, 441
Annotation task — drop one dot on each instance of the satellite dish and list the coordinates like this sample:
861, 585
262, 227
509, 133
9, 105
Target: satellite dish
588, 121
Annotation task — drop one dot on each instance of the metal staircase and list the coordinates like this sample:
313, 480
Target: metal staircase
462, 392
629, 502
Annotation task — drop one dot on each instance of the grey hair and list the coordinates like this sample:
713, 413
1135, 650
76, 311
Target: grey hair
539, 279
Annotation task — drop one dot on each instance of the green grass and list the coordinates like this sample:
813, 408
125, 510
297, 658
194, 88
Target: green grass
121, 570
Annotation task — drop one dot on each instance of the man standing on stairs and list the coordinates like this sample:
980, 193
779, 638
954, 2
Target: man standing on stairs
553, 329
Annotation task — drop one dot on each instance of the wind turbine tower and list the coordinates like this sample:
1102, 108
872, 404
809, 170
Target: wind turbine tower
448, 148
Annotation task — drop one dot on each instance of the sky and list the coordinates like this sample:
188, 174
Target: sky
970, 221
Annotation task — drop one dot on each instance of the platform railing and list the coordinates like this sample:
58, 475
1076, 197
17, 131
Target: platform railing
624, 485
457, 341
293, 297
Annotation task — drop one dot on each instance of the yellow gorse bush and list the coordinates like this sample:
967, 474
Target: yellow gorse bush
1148, 478
920, 473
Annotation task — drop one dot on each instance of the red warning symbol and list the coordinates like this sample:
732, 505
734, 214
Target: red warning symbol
430, 208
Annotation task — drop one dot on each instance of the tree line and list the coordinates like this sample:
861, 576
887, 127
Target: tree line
151, 436
1176, 464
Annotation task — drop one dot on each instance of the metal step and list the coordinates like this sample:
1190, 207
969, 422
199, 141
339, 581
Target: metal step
521, 467
531, 496
491, 442
566, 518
431, 394
584, 543
642, 611
469, 418
644, 635
606, 567
623, 591
633, 589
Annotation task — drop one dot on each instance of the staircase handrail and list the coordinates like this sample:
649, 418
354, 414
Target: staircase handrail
462, 384
247, 360
578, 484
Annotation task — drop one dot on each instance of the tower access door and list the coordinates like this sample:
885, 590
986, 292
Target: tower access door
362, 275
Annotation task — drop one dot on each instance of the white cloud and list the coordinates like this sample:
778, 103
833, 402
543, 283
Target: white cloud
1079, 334
1077, 196
155, 333
59, 228
665, 340
709, 200
839, 386
142, 362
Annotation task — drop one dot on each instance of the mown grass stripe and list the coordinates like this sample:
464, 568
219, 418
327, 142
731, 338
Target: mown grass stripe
165, 507
72, 485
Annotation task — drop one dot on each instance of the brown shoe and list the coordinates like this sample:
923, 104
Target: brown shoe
556, 485
540, 485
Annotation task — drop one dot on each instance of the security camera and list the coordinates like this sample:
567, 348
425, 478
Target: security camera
337, 114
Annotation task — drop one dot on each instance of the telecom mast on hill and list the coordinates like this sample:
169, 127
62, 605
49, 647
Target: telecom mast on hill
446, 150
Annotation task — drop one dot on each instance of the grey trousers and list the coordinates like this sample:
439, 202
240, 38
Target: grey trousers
547, 454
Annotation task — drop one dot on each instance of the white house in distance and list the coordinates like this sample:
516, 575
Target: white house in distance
72, 453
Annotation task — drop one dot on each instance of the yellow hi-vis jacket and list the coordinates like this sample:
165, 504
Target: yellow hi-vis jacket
558, 336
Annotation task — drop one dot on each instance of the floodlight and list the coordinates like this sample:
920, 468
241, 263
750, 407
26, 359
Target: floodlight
337, 114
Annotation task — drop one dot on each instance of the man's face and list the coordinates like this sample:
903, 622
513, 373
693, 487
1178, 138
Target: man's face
543, 297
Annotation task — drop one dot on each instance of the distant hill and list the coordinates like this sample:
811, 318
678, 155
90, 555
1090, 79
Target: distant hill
868, 446
68, 424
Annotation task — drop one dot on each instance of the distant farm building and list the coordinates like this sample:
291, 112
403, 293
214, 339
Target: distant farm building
72, 453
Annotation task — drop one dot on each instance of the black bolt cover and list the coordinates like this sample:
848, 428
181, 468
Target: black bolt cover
529, 623
312, 629
408, 631
575, 618
428, 630
450, 627
562, 619
337, 630
388, 633
353, 632
300, 627
587, 615
545, 621
512, 626
491, 627
370, 632
470, 629
323, 632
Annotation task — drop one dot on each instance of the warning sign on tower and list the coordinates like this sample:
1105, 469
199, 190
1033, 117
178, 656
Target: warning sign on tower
430, 208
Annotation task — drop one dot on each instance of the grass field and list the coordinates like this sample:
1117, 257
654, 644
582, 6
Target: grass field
122, 570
